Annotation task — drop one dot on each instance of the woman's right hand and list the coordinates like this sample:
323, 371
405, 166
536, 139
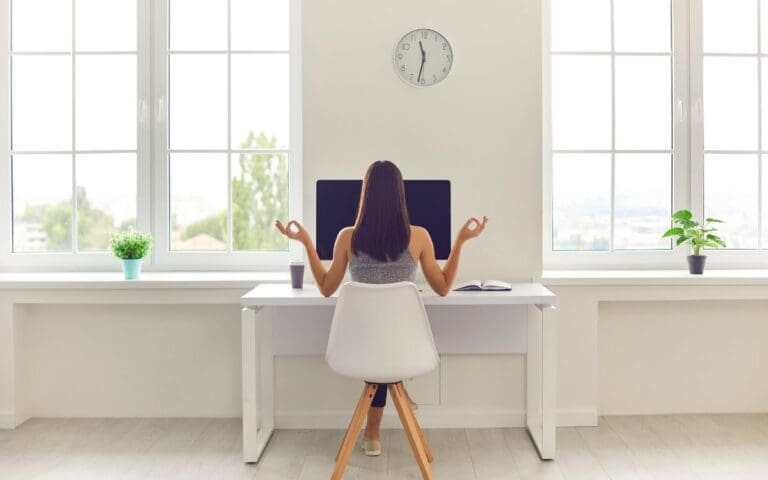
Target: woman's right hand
472, 228
299, 233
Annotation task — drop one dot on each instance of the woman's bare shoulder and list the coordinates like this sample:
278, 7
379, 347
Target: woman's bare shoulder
419, 232
345, 234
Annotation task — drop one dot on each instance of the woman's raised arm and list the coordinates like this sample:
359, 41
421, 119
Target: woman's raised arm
327, 280
441, 279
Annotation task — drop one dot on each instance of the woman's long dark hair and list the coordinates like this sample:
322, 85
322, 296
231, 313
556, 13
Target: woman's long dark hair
382, 229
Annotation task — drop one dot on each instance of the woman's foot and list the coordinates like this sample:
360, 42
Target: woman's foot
372, 447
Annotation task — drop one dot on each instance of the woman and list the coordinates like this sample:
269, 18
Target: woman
383, 247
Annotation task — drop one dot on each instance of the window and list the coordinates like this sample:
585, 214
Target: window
652, 106
180, 117
733, 85
228, 151
73, 142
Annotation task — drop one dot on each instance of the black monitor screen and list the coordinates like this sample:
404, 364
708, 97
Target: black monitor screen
429, 206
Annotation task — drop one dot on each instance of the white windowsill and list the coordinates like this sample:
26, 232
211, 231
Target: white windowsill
612, 278
148, 280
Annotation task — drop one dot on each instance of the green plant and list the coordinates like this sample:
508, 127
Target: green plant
697, 235
131, 245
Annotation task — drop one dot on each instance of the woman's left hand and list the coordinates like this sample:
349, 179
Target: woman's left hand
300, 233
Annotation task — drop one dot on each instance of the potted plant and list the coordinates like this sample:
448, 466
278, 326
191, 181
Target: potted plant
697, 235
131, 247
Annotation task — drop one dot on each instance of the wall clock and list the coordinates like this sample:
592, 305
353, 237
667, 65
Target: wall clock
423, 57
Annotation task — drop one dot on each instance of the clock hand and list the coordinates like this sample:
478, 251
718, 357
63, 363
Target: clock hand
423, 59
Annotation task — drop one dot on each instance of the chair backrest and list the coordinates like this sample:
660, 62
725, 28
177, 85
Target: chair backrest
380, 333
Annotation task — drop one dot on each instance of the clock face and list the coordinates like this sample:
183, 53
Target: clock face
423, 57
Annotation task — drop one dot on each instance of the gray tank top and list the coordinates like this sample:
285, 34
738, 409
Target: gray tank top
366, 269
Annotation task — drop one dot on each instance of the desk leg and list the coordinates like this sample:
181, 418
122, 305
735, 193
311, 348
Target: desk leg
258, 381
540, 363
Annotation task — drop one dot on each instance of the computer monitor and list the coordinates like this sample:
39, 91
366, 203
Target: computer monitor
429, 206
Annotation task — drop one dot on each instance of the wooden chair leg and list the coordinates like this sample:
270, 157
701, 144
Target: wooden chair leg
401, 403
350, 438
412, 414
352, 419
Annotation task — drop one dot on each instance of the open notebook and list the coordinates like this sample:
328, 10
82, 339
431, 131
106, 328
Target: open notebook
477, 285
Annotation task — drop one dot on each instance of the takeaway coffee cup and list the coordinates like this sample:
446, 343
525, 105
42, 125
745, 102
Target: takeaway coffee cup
297, 274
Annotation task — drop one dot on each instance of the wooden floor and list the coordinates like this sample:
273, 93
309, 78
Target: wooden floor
647, 447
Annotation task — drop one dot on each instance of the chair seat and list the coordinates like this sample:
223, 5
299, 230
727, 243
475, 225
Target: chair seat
381, 333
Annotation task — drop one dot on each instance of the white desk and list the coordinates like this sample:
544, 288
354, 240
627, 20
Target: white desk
258, 352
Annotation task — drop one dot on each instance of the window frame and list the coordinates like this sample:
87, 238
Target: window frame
233, 260
152, 203
737, 259
687, 154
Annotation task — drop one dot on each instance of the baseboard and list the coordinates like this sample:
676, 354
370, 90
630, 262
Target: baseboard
428, 417
577, 417
435, 418
9, 420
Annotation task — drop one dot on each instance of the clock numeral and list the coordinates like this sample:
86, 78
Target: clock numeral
445, 46
447, 58
445, 70
406, 46
424, 35
413, 38
399, 56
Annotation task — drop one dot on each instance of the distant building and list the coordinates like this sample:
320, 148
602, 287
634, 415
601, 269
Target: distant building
201, 241
29, 237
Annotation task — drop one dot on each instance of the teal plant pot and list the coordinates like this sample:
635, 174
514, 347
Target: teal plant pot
132, 268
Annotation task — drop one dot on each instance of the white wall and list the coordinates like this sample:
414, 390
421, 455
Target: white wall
182, 361
683, 357
129, 360
646, 349
479, 128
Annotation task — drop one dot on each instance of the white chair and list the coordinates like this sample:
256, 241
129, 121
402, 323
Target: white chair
381, 334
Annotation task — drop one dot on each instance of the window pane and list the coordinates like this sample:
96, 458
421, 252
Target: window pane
730, 194
643, 103
106, 198
643, 199
260, 94
642, 25
583, 25
105, 102
262, 25
764, 87
765, 202
105, 25
198, 24
31, 17
198, 101
581, 102
42, 103
764, 26
42, 203
198, 184
730, 26
259, 196
581, 201
730, 103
